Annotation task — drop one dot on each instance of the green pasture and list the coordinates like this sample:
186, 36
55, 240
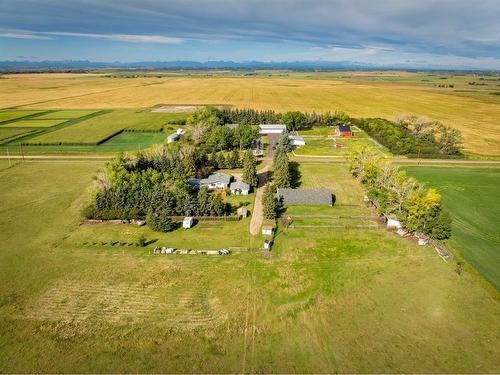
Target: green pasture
325, 301
64, 114
32, 123
95, 129
7, 133
471, 195
14, 114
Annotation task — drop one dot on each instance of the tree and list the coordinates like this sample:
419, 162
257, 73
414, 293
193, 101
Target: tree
250, 169
441, 228
244, 135
449, 140
284, 141
281, 176
234, 159
207, 115
159, 221
204, 201
294, 120
269, 203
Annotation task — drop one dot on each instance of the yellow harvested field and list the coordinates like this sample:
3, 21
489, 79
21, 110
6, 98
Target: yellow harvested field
477, 118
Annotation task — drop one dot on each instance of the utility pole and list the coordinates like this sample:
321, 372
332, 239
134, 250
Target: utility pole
8, 156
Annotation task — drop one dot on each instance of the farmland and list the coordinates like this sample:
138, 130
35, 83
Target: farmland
472, 109
471, 194
33, 123
70, 303
8, 133
16, 114
99, 128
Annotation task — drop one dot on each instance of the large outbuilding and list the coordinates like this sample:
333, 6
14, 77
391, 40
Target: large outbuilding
304, 197
271, 128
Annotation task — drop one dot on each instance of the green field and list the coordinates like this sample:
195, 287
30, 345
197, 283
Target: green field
128, 141
64, 114
326, 146
7, 133
33, 123
96, 129
326, 301
11, 115
472, 196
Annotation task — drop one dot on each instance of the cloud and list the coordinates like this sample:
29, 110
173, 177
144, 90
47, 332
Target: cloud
130, 38
463, 28
22, 35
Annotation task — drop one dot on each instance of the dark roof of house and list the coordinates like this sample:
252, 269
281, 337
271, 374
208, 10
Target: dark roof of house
344, 128
305, 196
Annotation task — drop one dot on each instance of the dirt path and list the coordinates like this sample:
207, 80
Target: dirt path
257, 214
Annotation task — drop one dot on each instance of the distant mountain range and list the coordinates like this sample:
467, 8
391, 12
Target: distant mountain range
221, 64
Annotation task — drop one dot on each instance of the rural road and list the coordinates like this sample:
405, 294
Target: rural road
257, 214
322, 159
57, 157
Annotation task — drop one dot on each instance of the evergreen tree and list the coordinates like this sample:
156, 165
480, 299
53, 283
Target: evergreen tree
203, 201
284, 141
269, 203
235, 159
281, 176
159, 221
250, 169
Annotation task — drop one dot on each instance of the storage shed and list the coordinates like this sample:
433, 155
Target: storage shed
187, 222
267, 230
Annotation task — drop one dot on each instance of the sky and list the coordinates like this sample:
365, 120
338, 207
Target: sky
415, 33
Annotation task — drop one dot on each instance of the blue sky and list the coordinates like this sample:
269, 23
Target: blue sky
422, 33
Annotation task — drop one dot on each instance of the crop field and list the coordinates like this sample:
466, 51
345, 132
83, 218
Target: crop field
471, 195
33, 123
64, 114
8, 133
328, 300
11, 115
98, 128
128, 141
472, 109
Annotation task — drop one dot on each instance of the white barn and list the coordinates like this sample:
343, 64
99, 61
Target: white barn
271, 128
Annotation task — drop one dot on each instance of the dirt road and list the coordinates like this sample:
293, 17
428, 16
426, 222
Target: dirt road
257, 214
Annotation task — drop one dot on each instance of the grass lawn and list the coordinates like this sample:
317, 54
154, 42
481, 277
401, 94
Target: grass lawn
12, 132
64, 114
326, 146
32, 123
326, 301
98, 128
13, 114
471, 194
